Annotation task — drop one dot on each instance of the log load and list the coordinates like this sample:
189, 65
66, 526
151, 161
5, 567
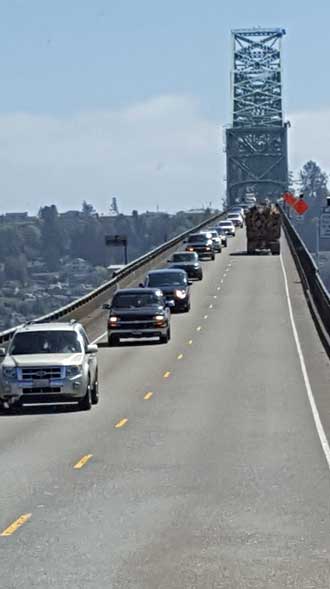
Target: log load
263, 229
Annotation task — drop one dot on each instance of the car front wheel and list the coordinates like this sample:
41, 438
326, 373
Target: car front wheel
95, 391
113, 340
86, 402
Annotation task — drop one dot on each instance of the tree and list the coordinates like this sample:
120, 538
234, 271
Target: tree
88, 209
52, 237
313, 181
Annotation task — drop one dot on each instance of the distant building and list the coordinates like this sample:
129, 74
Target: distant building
15, 217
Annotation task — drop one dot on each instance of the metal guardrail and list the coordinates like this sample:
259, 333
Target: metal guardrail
316, 292
85, 304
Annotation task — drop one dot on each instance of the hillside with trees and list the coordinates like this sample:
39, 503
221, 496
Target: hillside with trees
49, 260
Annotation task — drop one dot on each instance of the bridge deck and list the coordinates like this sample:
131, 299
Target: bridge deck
218, 480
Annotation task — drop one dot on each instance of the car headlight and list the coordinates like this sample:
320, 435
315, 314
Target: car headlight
207, 248
113, 319
159, 317
9, 373
181, 294
72, 371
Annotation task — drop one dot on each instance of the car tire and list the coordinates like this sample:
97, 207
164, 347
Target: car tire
163, 339
17, 406
200, 277
95, 391
86, 402
187, 308
213, 257
113, 340
168, 334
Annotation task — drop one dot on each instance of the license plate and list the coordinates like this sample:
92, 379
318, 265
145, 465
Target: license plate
40, 383
136, 332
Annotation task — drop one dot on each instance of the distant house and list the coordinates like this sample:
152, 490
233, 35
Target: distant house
16, 217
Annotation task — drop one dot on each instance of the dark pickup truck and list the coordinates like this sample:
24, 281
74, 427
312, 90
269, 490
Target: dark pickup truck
201, 244
136, 313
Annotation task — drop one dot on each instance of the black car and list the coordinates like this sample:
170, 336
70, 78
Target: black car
174, 284
202, 244
138, 313
189, 262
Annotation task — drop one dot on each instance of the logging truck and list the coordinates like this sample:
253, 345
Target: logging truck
263, 229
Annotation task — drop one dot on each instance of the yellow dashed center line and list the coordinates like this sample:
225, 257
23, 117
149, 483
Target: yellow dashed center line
180, 356
218, 287
199, 328
148, 396
211, 307
166, 374
205, 316
121, 423
221, 281
190, 342
83, 461
215, 296
16, 524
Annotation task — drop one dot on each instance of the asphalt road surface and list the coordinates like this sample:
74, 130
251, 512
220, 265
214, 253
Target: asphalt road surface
201, 467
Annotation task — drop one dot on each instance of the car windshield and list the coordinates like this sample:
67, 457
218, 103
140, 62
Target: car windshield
167, 279
197, 237
136, 300
184, 257
45, 342
226, 224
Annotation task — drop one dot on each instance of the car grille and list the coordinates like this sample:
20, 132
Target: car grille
44, 373
136, 325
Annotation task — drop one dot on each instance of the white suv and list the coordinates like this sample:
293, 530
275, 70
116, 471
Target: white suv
49, 362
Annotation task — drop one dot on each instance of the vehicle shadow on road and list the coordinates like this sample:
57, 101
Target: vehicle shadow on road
40, 410
130, 344
251, 255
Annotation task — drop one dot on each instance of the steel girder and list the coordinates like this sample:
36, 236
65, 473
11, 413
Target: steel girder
257, 162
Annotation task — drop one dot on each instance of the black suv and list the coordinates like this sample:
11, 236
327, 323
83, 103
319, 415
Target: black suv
189, 262
174, 284
202, 244
138, 313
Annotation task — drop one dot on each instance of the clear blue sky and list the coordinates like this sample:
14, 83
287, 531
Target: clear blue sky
60, 59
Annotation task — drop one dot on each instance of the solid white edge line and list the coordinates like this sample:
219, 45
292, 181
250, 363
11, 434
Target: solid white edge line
316, 415
99, 338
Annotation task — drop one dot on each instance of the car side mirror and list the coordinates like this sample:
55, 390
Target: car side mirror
92, 349
106, 307
141, 285
2, 352
170, 304
190, 282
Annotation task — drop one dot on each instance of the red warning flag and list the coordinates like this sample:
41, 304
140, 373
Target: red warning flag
301, 206
289, 199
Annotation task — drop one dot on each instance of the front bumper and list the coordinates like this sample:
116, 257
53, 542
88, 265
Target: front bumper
53, 390
137, 333
202, 252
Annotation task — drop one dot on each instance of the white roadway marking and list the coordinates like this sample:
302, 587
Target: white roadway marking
99, 338
316, 415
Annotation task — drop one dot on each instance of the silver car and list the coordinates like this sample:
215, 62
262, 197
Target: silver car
49, 362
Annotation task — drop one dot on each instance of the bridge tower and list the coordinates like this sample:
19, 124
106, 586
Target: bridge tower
256, 141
